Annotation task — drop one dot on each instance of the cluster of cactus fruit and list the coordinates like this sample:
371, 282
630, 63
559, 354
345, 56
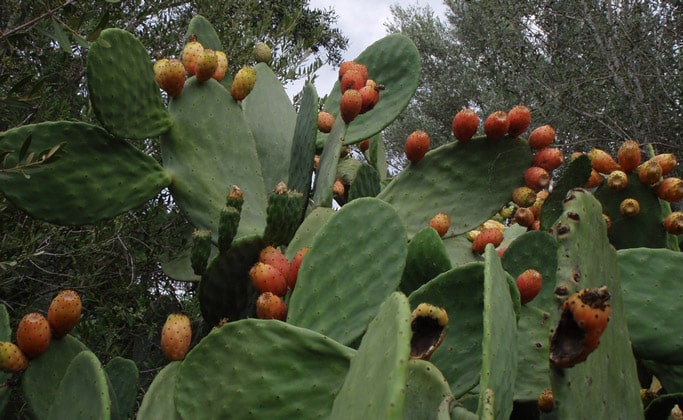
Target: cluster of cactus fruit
523, 298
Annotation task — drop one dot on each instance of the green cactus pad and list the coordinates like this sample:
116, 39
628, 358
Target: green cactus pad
327, 169
575, 175
468, 181
272, 119
651, 281
226, 290
338, 298
283, 216
377, 156
201, 28
394, 62
123, 92
261, 369
427, 258
303, 143
365, 184
661, 407
96, 176
123, 375
83, 392
347, 168
44, 374
670, 376
606, 384
375, 385
425, 390
308, 229
159, 401
643, 230
210, 149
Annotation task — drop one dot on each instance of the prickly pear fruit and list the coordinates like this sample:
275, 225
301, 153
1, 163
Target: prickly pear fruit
529, 284
536, 178
64, 312
364, 145
629, 207
617, 180
221, 67
428, 325
524, 216
417, 145
496, 125
206, 65
492, 224
350, 105
271, 306
602, 161
485, 237
33, 334
12, 359
190, 55
325, 121
243, 83
201, 250
294, 266
176, 336
338, 189
583, 320
629, 155
594, 180
546, 401
667, 161
352, 65
262, 53
519, 118
542, 137
275, 257
549, 158
441, 222
170, 76
673, 223
352, 79
649, 172
523, 196
465, 124
267, 278
370, 96
670, 189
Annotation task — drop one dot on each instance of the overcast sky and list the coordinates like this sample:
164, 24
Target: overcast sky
362, 22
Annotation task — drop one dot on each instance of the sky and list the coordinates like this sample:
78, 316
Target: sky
362, 22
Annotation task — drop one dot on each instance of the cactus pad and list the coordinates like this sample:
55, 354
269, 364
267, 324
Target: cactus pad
201, 28
159, 402
427, 258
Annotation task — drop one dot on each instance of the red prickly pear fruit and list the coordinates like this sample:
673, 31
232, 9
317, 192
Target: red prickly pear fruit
496, 125
523, 196
345, 66
487, 236
12, 359
170, 76
364, 145
338, 189
294, 267
275, 257
549, 158
441, 222
602, 161
649, 172
520, 119
465, 124
529, 284
617, 180
176, 336
267, 278
243, 83
536, 178
629, 155
190, 55
542, 137
670, 189
206, 65
594, 180
673, 223
629, 207
33, 335
325, 121
352, 79
417, 145
64, 312
370, 97
262, 53
525, 217
222, 66
271, 306
667, 161
350, 105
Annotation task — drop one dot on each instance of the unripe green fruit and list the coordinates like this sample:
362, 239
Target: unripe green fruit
262, 53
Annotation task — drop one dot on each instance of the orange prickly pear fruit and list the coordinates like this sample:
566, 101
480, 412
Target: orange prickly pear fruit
542, 137
325, 121
64, 312
496, 125
370, 96
176, 336
441, 222
536, 178
487, 236
667, 161
350, 105
670, 189
629, 155
549, 158
190, 55
465, 124
206, 65
650, 172
243, 83
12, 359
617, 180
275, 257
529, 284
594, 180
222, 67
417, 145
602, 162
271, 306
170, 76
352, 79
294, 266
519, 118
267, 278
33, 334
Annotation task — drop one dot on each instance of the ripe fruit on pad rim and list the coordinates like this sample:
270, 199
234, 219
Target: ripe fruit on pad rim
536, 178
243, 83
206, 65
222, 66
294, 267
529, 284
496, 125
350, 105
670, 189
271, 306
441, 222
549, 158
370, 97
190, 55
275, 257
542, 137
465, 124
33, 334
519, 118
267, 278
352, 79
12, 359
325, 121
417, 145
64, 312
487, 236
176, 336
629, 155
602, 161
673, 223
170, 76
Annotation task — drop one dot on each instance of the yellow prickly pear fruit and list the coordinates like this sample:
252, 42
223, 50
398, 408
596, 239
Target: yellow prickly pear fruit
243, 83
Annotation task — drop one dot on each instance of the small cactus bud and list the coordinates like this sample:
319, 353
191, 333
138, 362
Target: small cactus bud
235, 198
546, 401
617, 180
